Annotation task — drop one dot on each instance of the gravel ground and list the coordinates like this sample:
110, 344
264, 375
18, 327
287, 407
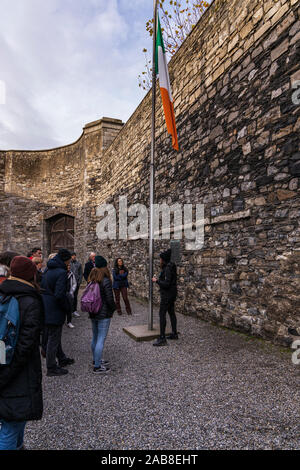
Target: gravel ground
211, 389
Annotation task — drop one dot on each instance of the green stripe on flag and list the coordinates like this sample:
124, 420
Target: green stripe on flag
159, 42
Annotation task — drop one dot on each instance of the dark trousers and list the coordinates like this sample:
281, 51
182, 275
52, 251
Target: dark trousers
54, 349
75, 301
44, 339
118, 292
167, 305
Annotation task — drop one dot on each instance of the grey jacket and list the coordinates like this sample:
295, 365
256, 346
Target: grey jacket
76, 269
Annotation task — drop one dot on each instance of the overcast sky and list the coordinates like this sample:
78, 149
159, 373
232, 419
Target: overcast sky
66, 63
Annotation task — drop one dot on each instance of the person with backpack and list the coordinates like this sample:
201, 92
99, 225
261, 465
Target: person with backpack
101, 318
56, 304
120, 285
168, 292
21, 397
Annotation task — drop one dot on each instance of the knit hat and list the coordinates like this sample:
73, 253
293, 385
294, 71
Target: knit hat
166, 255
23, 268
100, 262
64, 254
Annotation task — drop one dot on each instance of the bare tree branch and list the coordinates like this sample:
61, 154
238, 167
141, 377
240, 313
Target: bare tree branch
177, 20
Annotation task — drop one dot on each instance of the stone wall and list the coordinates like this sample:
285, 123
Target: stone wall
239, 155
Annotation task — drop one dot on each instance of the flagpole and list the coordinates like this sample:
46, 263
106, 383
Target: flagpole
152, 171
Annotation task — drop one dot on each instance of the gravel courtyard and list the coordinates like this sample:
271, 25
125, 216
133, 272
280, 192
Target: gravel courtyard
211, 389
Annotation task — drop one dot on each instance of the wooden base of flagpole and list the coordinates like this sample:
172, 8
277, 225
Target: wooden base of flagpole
142, 332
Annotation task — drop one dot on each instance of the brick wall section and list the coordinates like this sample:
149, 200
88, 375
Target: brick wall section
239, 155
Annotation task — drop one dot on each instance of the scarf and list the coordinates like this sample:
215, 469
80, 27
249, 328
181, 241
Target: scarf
12, 278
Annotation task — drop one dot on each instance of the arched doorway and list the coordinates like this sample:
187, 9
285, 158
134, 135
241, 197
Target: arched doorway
61, 232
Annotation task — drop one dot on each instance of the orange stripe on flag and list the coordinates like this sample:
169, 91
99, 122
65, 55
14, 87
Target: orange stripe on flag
170, 117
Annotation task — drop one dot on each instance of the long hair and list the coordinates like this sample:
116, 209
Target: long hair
98, 274
116, 266
6, 257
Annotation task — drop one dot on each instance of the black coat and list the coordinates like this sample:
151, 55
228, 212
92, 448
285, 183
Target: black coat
87, 269
55, 288
21, 381
168, 282
108, 303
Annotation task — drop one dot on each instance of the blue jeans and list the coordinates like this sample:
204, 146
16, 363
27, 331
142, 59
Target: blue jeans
11, 435
100, 330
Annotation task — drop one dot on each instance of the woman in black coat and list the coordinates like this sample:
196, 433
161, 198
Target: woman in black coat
101, 320
21, 381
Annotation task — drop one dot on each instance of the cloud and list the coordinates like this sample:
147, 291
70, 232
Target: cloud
65, 64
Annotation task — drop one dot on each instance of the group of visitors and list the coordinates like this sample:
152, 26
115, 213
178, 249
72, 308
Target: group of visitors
45, 298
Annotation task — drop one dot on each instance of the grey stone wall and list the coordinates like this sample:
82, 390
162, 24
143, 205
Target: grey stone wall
239, 155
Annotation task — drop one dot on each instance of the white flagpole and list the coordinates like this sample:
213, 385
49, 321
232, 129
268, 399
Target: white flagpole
152, 171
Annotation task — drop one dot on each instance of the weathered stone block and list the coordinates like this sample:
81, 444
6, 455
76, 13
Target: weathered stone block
294, 168
279, 50
284, 194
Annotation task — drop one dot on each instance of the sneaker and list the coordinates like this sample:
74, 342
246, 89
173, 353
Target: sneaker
160, 342
69, 325
76, 314
56, 372
173, 336
101, 370
66, 362
102, 362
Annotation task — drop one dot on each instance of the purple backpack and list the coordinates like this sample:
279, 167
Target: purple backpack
91, 300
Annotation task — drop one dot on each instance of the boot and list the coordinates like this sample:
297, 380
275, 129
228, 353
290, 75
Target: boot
173, 336
56, 372
161, 341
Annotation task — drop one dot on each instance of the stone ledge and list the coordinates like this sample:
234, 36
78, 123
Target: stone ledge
205, 222
142, 333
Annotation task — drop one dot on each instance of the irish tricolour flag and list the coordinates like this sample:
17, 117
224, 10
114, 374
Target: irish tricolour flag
165, 87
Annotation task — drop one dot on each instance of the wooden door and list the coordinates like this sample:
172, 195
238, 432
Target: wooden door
62, 233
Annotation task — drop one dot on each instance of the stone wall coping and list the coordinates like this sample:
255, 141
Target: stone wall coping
88, 126
102, 121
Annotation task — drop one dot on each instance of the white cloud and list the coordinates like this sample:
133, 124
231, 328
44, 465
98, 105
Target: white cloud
66, 63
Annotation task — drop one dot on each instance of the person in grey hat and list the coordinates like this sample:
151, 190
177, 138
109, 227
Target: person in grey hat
168, 292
